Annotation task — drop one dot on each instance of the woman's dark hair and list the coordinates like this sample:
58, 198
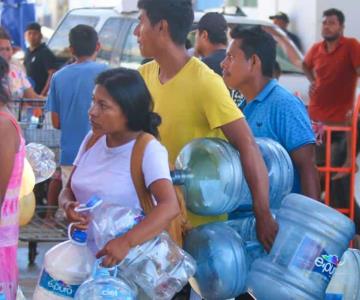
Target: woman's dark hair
4, 90
129, 91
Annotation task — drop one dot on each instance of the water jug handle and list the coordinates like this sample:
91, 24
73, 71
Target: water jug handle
114, 268
71, 225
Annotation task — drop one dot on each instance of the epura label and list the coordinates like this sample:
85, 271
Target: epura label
326, 265
57, 287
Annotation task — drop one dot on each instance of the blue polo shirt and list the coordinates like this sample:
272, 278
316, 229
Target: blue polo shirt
277, 114
70, 96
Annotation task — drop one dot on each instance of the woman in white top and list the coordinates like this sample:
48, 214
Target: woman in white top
121, 110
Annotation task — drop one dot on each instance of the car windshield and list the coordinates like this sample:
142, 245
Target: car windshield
59, 43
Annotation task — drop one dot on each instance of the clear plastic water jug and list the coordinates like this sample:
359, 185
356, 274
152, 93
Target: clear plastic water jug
103, 285
311, 240
212, 178
66, 267
223, 259
159, 267
345, 284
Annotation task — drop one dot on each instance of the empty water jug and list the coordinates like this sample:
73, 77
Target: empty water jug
223, 260
245, 225
212, 178
159, 267
312, 238
66, 267
103, 285
345, 284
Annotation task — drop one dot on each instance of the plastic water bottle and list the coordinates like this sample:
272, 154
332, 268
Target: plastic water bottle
223, 259
159, 267
344, 285
42, 161
212, 178
66, 267
104, 286
311, 240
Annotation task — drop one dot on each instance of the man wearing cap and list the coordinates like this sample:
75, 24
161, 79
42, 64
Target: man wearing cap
211, 40
39, 60
282, 20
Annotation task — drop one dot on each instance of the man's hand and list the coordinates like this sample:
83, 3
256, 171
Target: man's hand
266, 229
114, 251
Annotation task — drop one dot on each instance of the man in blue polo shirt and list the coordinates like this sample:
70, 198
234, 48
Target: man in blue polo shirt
271, 111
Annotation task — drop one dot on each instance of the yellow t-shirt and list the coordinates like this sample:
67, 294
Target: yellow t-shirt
193, 104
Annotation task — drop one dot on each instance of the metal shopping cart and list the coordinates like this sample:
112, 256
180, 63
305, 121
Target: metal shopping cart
37, 128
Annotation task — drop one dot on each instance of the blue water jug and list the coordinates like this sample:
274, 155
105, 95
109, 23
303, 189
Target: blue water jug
344, 285
245, 225
222, 258
212, 178
311, 240
103, 285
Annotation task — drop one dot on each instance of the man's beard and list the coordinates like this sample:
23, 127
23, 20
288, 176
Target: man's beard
332, 38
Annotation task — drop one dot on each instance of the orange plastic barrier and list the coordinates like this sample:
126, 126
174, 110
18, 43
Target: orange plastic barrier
328, 168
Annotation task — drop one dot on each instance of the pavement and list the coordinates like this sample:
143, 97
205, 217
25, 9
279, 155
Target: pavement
29, 274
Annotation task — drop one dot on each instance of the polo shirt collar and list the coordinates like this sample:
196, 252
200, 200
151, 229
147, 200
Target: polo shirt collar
266, 90
341, 42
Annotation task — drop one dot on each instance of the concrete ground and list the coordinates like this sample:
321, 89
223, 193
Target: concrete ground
28, 275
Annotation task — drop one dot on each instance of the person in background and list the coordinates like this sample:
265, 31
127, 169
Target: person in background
270, 110
19, 85
211, 40
185, 91
40, 62
332, 67
70, 94
12, 155
282, 20
121, 114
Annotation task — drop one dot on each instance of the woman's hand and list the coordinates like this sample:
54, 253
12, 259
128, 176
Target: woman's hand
114, 251
80, 221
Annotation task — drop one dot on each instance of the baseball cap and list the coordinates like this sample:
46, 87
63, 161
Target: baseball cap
281, 16
212, 22
33, 26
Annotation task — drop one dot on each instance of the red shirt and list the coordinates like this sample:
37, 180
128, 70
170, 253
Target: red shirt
335, 79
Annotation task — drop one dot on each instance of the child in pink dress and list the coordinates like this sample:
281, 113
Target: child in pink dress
12, 154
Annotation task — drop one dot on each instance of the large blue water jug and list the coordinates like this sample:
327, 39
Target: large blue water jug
222, 258
345, 284
311, 240
103, 285
211, 175
245, 225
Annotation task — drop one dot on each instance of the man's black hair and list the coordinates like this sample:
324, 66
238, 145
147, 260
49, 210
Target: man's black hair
34, 26
83, 39
178, 13
216, 26
335, 12
255, 41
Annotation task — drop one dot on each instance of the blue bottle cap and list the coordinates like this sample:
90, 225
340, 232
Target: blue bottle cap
79, 236
93, 201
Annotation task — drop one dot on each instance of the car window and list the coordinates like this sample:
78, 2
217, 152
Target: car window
287, 55
60, 41
131, 56
108, 36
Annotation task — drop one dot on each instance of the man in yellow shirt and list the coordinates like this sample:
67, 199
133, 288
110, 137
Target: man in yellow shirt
194, 102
